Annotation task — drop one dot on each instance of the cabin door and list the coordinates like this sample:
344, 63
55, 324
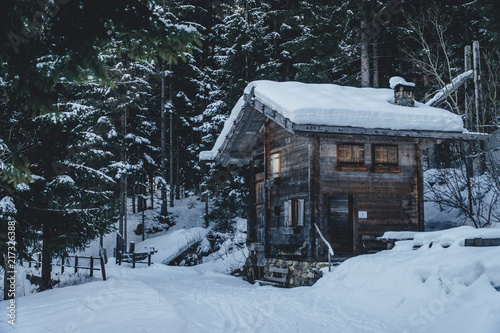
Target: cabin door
340, 223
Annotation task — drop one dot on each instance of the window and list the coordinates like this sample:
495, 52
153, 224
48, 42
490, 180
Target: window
294, 213
385, 155
275, 166
351, 157
385, 158
351, 154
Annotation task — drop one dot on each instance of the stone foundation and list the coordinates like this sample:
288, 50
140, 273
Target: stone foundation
301, 273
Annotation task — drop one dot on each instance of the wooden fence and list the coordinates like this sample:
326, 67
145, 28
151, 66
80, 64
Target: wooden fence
77, 262
134, 258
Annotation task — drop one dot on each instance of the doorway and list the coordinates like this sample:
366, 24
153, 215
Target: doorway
340, 229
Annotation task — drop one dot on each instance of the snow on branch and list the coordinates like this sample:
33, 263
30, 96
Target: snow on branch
450, 88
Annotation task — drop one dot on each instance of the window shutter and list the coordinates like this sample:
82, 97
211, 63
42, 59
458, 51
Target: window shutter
288, 212
301, 214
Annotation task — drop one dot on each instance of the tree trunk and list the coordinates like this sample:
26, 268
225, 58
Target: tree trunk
467, 93
151, 190
140, 194
46, 282
6, 282
478, 90
365, 58
177, 183
171, 145
124, 177
376, 83
164, 209
206, 211
134, 184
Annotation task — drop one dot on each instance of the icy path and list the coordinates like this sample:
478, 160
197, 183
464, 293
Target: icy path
181, 299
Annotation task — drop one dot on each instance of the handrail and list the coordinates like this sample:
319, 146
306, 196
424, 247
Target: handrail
330, 250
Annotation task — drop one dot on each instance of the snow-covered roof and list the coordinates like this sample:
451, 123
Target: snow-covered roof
398, 80
334, 105
338, 106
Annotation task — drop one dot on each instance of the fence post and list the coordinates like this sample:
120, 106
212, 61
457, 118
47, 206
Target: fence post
149, 259
62, 264
329, 262
103, 270
76, 264
133, 260
91, 266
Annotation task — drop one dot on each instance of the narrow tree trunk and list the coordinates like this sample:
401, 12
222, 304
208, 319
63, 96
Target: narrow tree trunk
206, 211
151, 190
124, 177
140, 194
164, 203
177, 183
6, 282
477, 84
467, 101
171, 145
134, 184
365, 58
46, 259
375, 64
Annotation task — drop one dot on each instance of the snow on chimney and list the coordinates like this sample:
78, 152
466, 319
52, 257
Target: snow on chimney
404, 93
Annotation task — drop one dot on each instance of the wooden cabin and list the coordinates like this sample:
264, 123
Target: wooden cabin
346, 159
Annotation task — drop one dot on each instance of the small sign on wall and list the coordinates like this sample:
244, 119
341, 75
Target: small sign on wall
362, 214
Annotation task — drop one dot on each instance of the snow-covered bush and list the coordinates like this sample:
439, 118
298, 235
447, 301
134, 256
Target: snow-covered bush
474, 198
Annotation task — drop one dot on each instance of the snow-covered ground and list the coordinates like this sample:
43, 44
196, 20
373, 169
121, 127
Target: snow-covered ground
432, 289
440, 287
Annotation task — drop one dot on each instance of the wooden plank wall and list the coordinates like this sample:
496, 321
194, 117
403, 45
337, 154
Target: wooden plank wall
390, 199
293, 184
309, 170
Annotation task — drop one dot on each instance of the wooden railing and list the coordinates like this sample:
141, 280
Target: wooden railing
135, 258
76, 266
330, 250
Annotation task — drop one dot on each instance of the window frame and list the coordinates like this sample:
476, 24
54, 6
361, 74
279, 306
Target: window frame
391, 164
355, 163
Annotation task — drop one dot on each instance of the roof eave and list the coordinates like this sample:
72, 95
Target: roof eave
419, 134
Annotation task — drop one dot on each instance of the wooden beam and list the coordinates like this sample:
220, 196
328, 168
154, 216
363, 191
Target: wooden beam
450, 88
467, 101
273, 115
386, 132
478, 90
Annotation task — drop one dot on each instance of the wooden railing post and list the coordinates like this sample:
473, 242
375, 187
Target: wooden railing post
62, 264
149, 259
91, 266
76, 264
133, 259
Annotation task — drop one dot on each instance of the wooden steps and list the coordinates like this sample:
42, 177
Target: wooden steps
276, 276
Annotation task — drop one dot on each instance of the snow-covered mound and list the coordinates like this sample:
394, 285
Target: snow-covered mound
457, 236
170, 245
436, 289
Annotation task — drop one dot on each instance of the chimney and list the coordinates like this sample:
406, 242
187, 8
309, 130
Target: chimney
404, 92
